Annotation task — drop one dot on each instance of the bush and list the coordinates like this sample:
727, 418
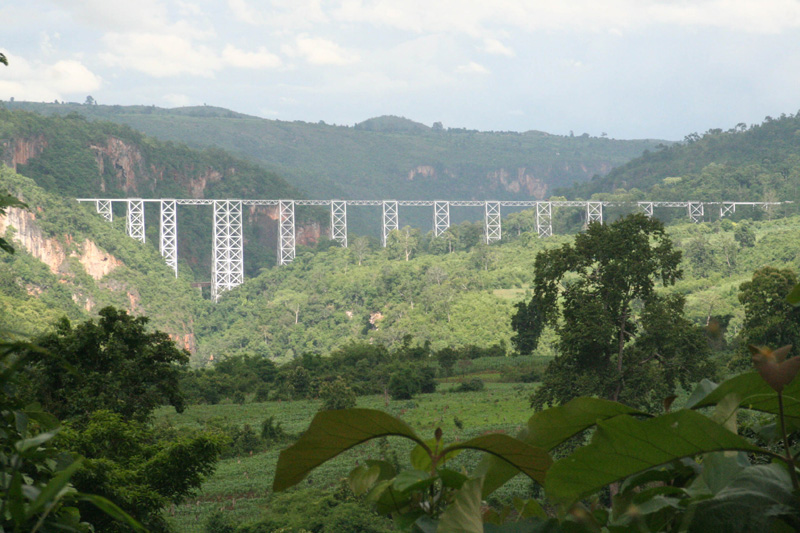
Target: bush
336, 395
473, 385
272, 431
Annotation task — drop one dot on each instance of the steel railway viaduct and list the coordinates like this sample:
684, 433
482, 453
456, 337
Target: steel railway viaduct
228, 244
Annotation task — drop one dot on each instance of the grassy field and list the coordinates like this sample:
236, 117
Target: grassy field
240, 487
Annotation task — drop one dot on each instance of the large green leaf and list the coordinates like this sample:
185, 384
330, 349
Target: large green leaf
549, 428
464, 514
755, 394
331, 433
794, 296
623, 446
755, 498
530, 460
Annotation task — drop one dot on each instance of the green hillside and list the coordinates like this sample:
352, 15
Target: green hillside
73, 157
70, 262
756, 163
384, 157
326, 299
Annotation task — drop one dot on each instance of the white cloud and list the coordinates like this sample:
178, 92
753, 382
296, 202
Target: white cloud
318, 51
472, 68
477, 17
177, 100
285, 15
159, 55
71, 77
493, 46
41, 82
260, 59
118, 15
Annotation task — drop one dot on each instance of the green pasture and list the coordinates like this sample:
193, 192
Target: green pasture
240, 487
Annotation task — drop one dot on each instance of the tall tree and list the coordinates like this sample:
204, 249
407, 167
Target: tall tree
769, 320
618, 338
113, 363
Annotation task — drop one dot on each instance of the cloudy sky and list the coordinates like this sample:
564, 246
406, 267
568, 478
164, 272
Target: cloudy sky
630, 68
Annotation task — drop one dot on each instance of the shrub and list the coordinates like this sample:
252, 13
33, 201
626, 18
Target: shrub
473, 385
336, 395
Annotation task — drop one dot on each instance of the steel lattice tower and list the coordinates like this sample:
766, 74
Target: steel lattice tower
594, 212
135, 223
169, 234
104, 209
228, 268
492, 222
339, 222
544, 219
286, 244
441, 217
390, 219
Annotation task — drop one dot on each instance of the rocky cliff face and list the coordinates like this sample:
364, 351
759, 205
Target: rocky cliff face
63, 256
19, 151
523, 182
132, 173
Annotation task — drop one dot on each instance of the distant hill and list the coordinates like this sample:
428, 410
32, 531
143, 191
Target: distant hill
74, 157
384, 157
756, 163
392, 124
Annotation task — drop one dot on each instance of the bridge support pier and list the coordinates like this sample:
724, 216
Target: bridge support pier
168, 231
228, 267
339, 222
594, 212
727, 208
647, 208
441, 217
544, 219
696, 212
492, 222
390, 219
286, 241
104, 209
135, 223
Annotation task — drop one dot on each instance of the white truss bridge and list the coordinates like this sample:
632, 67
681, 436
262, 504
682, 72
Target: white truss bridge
228, 243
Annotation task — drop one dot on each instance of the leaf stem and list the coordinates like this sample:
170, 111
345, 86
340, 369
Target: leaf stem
788, 458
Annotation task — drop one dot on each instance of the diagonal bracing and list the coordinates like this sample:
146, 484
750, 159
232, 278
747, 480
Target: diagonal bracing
228, 267
339, 222
544, 219
492, 223
441, 217
135, 222
168, 232
286, 239
390, 220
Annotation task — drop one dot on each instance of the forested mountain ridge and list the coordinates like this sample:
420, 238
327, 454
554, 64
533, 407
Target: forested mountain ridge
383, 157
73, 157
756, 163
71, 262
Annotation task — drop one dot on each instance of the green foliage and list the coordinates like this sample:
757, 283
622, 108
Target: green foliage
744, 163
336, 395
36, 475
769, 320
113, 363
617, 337
394, 162
668, 470
128, 464
473, 385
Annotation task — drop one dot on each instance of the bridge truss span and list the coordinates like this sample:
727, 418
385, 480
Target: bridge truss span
228, 241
